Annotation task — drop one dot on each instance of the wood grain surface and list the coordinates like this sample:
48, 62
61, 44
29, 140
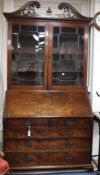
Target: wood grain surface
36, 104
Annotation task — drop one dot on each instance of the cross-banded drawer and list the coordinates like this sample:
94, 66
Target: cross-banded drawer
57, 122
47, 144
46, 133
44, 158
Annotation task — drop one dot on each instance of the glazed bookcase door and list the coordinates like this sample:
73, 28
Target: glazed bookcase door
68, 57
28, 61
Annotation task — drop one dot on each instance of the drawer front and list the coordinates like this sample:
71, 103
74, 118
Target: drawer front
47, 133
48, 158
46, 144
69, 122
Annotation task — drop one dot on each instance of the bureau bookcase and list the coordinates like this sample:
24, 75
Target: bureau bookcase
48, 121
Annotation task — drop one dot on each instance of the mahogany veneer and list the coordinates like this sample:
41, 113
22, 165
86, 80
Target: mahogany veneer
48, 121
57, 139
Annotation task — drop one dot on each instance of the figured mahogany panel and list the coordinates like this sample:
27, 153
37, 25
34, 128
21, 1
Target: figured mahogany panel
49, 158
47, 144
45, 122
47, 133
58, 104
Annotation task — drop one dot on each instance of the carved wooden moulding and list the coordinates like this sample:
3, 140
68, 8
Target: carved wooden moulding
28, 11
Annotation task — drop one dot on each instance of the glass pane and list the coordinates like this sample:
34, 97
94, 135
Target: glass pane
68, 56
27, 55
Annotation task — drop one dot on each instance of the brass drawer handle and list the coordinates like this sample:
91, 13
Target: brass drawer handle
28, 144
68, 143
69, 123
28, 123
68, 133
27, 159
68, 158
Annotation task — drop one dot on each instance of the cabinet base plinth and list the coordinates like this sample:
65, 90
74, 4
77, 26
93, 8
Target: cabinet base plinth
62, 169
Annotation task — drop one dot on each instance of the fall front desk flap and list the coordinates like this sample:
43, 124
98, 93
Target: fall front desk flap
45, 104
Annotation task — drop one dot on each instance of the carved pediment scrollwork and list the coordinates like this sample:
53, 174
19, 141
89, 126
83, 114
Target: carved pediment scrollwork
69, 11
28, 9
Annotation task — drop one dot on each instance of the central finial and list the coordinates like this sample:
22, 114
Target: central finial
49, 11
